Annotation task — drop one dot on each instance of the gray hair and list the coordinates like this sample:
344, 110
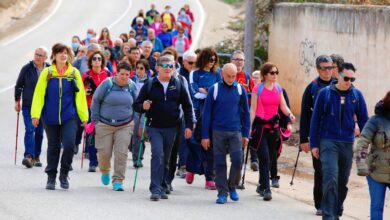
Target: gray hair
92, 46
139, 19
323, 59
147, 42
44, 49
338, 59
237, 52
189, 54
229, 66
165, 59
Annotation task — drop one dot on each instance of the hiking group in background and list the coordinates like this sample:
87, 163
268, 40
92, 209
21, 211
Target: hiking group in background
147, 86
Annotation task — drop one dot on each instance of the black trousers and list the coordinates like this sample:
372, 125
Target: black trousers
64, 134
317, 190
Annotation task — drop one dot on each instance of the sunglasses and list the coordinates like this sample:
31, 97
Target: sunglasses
165, 66
274, 73
212, 60
346, 78
140, 68
190, 62
40, 56
96, 58
239, 60
326, 68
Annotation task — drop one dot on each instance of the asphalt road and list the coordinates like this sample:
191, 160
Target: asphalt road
22, 192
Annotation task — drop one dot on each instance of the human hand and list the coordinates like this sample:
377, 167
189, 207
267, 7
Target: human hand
35, 122
292, 118
245, 142
187, 133
316, 152
203, 90
357, 130
305, 147
17, 106
146, 105
90, 127
205, 143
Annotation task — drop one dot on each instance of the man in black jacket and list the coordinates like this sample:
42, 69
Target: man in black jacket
161, 98
25, 86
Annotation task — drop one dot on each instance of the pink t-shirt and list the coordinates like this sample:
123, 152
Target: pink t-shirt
267, 103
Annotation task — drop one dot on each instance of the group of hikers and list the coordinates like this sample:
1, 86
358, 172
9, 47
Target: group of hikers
194, 112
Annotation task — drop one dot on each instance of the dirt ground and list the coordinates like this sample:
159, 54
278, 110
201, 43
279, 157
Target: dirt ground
21, 15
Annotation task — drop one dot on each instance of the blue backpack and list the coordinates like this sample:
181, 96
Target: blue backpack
261, 88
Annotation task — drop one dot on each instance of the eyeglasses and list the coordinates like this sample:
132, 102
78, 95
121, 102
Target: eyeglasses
105, 31
96, 58
212, 60
190, 62
165, 66
323, 68
346, 78
274, 73
238, 60
39, 55
140, 68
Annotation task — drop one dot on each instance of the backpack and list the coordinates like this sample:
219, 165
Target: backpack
215, 93
111, 85
315, 89
261, 88
90, 81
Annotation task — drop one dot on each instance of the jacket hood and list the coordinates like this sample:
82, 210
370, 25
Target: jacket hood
380, 110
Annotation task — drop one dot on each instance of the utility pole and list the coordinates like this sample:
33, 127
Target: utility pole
249, 35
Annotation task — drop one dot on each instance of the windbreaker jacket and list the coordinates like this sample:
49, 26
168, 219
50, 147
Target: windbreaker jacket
55, 98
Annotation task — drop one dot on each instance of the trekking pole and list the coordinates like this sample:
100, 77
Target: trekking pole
82, 152
17, 134
295, 166
139, 152
246, 161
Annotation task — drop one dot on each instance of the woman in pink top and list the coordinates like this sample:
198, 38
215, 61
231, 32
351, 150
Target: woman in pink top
156, 25
266, 99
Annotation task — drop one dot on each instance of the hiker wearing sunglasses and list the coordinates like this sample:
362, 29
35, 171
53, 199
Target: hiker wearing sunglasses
160, 98
332, 137
324, 66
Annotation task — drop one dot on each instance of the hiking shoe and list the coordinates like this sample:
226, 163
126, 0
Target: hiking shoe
260, 191
70, 167
234, 195
169, 188
221, 199
210, 185
255, 166
105, 178
275, 182
64, 183
155, 197
163, 196
117, 186
27, 161
319, 212
190, 177
138, 164
181, 172
37, 162
51, 183
267, 195
92, 169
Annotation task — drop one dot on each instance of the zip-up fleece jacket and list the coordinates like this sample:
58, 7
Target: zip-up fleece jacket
229, 112
56, 101
26, 82
165, 108
328, 125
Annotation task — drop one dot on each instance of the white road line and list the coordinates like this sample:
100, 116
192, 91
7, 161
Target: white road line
202, 17
122, 16
59, 2
7, 88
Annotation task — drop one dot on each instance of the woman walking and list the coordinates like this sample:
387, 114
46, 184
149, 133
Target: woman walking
59, 100
374, 164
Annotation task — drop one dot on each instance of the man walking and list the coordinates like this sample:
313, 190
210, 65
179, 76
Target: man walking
226, 114
161, 98
332, 135
324, 69
25, 86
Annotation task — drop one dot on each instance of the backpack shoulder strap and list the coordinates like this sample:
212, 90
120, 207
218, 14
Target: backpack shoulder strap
357, 97
108, 90
279, 88
260, 89
215, 92
239, 89
314, 88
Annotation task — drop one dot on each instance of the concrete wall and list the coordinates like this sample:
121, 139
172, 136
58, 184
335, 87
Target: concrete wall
361, 34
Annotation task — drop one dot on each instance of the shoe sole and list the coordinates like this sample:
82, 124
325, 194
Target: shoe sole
275, 186
254, 168
164, 197
266, 198
64, 187
50, 188
37, 165
154, 199
27, 164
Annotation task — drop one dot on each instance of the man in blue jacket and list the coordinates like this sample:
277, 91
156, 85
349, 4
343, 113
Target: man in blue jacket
226, 115
25, 86
161, 98
332, 135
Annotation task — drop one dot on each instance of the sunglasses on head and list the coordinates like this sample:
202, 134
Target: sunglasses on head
274, 73
167, 66
96, 58
346, 78
326, 68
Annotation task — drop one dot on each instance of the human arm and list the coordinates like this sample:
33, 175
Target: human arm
80, 99
285, 109
39, 95
306, 113
361, 149
19, 86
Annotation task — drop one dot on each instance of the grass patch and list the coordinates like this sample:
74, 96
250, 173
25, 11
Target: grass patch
232, 2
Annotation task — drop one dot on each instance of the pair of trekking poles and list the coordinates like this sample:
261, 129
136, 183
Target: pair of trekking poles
241, 186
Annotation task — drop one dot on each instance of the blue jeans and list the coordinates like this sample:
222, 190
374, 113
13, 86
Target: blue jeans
336, 161
32, 136
377, 195
136, 139
90, 148
227, 143
161, 140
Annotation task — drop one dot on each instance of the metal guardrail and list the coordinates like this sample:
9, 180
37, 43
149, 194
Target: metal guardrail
225, 57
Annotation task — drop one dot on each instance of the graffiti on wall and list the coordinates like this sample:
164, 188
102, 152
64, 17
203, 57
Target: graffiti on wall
307, 55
